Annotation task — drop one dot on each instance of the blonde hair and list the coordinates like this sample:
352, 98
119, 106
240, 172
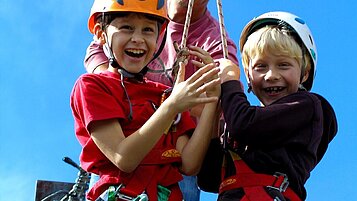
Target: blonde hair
278, 41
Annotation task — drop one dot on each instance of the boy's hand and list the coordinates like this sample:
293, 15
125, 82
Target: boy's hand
201, 59
201, 56
187, 94
228, 70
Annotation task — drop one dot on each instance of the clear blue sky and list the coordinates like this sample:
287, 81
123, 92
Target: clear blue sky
42, 48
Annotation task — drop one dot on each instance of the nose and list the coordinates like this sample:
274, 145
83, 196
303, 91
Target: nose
272, 74
137, 37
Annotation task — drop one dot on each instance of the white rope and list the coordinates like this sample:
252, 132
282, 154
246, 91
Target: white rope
222, 29
187, 23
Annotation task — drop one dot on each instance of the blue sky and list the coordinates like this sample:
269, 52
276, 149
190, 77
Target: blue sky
43, 45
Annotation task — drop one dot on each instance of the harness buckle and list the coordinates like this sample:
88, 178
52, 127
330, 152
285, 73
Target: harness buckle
123, 197
281, 183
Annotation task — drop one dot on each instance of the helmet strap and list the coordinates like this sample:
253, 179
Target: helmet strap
302, 88
113, 62
249, 87
303, 66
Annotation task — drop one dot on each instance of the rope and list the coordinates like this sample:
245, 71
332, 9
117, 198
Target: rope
187, 23
222, 29
182, 51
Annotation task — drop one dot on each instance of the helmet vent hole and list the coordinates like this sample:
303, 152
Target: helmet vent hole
299, 20
121, 2
312, 41
160, 4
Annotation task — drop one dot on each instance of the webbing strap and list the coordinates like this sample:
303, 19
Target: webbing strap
253, 183
145, 177
139, 182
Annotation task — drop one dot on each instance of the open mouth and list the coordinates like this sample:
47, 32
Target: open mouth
273, 90
135, 53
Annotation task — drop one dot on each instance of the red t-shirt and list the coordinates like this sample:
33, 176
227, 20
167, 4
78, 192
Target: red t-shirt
101, 96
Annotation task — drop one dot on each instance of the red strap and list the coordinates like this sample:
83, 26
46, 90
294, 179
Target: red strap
257, 193
175, 193
253, 183
247, 180
139, 181
146, 175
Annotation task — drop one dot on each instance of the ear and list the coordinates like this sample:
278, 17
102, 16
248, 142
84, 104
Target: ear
99, 33
306, 76
247, 74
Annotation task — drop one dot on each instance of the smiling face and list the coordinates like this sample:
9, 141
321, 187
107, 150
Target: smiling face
273, 77
133, 39
273, 64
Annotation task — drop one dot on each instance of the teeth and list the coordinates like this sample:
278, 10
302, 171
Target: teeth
136, 51
270, 89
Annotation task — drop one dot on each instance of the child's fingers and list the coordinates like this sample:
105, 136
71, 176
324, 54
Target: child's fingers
228, 70
181, 72
204, 100
208, 85
197, 64
200, 72
203, 56
204, 74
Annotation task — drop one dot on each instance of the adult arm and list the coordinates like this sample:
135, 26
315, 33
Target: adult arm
95, 60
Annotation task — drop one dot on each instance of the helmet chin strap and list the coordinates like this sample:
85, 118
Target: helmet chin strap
107, 47
303, 68
126, 74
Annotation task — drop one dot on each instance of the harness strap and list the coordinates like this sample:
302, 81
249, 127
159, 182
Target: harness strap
145, 182
138, 182
147, 175
253, 183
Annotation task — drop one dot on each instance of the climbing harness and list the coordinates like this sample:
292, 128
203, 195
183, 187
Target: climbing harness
113, 194
143, 184
256, 186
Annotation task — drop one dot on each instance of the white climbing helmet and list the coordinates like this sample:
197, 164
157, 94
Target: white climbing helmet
297, 24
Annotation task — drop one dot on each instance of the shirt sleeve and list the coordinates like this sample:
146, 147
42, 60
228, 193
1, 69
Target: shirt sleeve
91, 100
273, 124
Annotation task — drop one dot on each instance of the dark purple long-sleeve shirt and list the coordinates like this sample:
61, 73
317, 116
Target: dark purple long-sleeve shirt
289, 136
